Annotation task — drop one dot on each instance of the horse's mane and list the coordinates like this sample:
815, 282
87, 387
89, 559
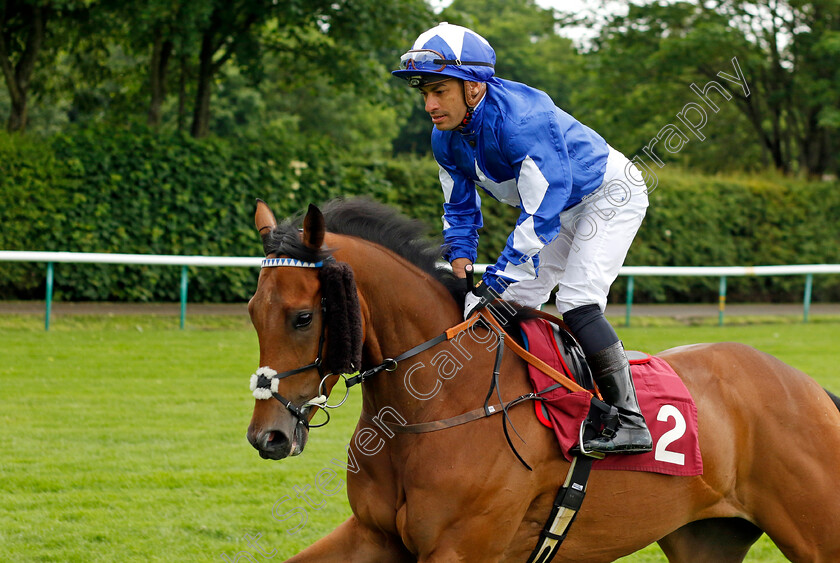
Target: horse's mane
374, 222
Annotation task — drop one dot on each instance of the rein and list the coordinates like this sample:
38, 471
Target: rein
264, 383
390, 364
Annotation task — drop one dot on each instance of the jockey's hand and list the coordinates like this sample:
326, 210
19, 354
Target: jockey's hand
480, 296
471, 304
459, 267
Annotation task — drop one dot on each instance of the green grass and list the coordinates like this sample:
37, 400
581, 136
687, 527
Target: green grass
123, 438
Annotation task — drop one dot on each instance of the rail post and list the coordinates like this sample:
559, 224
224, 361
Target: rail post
806, 305
629, 300
50, 278
184, 284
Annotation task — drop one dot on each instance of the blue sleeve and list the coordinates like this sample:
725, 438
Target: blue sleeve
461, 214
537, 151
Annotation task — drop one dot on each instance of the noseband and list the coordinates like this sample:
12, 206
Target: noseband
264, 383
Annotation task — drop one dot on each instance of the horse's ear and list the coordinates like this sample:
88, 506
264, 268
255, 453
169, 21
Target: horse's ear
314, 228
264, 218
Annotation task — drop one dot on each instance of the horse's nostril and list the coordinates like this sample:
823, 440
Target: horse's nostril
273, 440
271, 444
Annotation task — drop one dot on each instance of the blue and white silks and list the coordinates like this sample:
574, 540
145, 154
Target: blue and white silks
524, 151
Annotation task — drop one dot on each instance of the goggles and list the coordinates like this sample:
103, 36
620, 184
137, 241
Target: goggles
430, 60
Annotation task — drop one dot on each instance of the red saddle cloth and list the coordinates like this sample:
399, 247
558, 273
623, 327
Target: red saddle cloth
669, 410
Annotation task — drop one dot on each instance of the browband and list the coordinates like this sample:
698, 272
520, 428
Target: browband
277, 262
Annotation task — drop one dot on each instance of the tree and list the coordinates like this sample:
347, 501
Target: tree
122, 62
786, 51
342, 37
164, 31
22, 31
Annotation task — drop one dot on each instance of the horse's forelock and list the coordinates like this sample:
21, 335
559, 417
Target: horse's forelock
285, 240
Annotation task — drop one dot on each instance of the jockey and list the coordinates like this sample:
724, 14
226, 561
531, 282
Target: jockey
581, 202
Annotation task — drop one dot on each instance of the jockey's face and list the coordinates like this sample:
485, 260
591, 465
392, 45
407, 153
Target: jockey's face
445, 103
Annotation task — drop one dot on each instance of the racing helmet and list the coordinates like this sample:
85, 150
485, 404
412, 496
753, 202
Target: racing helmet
447, 51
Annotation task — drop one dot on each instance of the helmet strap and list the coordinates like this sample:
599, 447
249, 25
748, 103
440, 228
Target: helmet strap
467, 118
470, 106
470, 109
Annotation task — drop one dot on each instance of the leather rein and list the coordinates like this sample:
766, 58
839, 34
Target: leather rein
264, 383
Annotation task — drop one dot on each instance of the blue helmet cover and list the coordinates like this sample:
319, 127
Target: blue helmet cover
454, 43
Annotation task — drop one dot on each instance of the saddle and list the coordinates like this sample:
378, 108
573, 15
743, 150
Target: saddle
570, 413
667, 405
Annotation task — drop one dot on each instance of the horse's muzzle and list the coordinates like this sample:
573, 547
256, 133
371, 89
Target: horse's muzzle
275, 444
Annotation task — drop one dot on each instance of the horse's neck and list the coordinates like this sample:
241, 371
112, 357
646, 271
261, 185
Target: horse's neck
402, 307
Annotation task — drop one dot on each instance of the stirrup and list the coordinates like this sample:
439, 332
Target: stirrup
582, 449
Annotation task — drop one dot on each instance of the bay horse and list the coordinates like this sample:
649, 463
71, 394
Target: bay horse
768, 433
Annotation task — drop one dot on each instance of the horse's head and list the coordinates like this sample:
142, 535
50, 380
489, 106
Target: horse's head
306, 313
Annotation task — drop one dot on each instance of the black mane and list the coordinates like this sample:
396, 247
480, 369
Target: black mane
374, 222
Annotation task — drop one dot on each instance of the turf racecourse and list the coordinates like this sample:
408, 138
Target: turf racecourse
123, 439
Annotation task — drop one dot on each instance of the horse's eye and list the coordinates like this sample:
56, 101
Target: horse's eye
303, 319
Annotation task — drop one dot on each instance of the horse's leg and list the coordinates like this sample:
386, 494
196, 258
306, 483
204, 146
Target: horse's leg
354, 542
792, 491
716, 540
801, 512
475, 538
780, 442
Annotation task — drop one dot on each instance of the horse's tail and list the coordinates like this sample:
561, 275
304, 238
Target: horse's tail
834, 398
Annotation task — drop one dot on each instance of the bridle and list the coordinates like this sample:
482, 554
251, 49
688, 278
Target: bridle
264, 383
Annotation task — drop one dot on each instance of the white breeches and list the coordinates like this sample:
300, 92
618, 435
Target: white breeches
584, 260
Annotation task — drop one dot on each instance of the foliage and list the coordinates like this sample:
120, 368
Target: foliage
237, 66
136, 191
156, 62
33, 200
742, 220
787, 52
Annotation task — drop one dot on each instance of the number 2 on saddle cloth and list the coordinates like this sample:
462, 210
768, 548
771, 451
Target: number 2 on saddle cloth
668, 408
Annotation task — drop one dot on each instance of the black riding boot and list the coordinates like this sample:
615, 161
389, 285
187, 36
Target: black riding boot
611, 372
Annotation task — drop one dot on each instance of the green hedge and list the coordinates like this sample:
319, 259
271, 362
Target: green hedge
696, 220
33, 201
135, 191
